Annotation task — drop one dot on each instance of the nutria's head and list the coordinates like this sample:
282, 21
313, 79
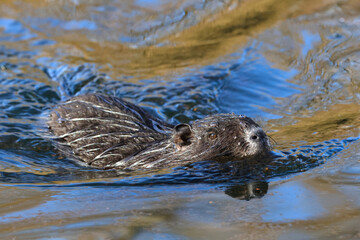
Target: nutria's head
222, 135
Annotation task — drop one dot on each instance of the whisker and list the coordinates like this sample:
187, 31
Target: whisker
273, 140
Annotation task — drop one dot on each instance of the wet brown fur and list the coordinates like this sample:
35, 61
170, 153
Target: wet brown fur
108, 132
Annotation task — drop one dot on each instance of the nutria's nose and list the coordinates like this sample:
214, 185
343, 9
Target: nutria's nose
254, 137
259, 138
257, 135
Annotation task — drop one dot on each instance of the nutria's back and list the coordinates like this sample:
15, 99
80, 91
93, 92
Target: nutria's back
108, 132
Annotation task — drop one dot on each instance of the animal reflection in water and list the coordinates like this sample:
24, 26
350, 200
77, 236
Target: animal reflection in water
247, 191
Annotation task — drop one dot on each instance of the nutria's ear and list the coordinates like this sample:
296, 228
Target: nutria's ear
183, 135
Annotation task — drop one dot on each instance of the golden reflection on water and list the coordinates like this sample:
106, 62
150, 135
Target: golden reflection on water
16, 199
201, 44
337, 122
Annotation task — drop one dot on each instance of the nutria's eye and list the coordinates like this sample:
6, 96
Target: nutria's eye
212, 136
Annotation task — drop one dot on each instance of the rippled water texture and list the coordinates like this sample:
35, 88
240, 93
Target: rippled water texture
294, 66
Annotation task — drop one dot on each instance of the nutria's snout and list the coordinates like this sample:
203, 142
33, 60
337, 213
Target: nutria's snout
258, 141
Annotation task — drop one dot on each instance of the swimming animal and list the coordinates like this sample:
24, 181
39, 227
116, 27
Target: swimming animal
108, 132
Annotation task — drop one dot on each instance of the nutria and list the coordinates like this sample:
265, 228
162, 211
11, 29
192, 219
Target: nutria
108, 132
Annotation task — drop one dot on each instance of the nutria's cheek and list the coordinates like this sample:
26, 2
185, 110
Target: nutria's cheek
240, 148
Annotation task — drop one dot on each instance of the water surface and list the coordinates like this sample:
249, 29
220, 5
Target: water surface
291, 65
